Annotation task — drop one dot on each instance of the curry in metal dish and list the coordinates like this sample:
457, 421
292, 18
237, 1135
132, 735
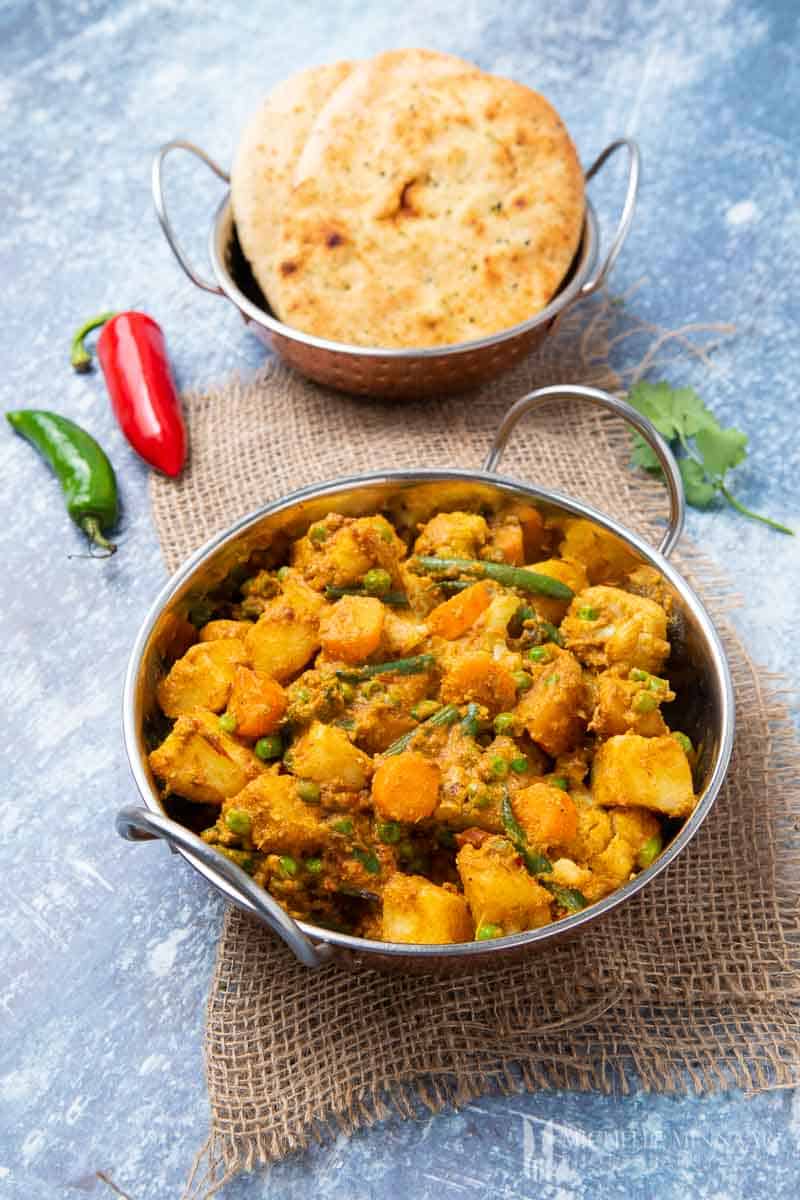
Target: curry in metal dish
431, 732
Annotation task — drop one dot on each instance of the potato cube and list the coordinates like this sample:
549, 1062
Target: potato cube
225, 629
350, 630
610, 868
415, 910
201, 762
622, 705
635, 771
605, 557
565, 570
453, 535
202, 678
338, 551
325, 754
280, 821
554, 711
286, 635
605, 625
498, 890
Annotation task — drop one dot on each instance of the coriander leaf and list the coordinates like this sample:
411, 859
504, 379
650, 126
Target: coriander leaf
644, 456
690, 412
654, 400
699, 492
721, 449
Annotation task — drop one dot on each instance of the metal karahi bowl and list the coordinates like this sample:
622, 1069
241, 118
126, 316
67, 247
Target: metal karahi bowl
398, 374
698, 669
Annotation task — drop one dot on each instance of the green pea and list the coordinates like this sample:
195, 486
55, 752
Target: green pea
303, 695
637, 674
645, 702
318, 534
498, 767
377, 581
650, 850
503, 722
683, 741
282, 573
424, 709
523, 681
238, 821
483, 800
313, 866
288, 864
373, 688
346, 690
308, 791
552, 680
657, 685
587, 614
519, 765
389, 832
269, 747
227, 723
486, 931
559, 781
345, 825
539, 654
368, 859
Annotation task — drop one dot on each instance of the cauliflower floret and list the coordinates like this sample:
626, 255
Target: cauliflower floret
605, 625
453, 535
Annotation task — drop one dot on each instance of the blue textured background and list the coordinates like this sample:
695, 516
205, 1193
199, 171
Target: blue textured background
106, 950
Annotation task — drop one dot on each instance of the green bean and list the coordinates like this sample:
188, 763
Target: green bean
400, 666
445, 716
569, 898
517, 577
471, 721
368, 860
396, 599
535, 862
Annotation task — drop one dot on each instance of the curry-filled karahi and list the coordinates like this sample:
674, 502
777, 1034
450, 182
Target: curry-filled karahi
413, 736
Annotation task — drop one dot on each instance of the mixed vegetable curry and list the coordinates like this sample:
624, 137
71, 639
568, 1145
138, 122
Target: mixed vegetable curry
420, 738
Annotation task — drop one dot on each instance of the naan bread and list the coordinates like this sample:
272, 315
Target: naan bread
270, 146
430, 204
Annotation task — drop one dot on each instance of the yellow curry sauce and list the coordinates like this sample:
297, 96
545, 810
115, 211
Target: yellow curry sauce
434, 742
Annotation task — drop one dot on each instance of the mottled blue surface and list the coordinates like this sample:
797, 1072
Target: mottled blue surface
106, 950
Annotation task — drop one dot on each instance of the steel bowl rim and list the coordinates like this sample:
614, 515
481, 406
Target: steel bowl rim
563, 299
366, 946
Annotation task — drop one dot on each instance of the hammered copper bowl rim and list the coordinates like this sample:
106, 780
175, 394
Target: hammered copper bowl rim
363, 947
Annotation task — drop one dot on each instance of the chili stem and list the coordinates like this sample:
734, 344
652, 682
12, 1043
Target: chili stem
80, 358
91, 527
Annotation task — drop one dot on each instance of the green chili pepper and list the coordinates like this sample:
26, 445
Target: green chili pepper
517, 577
81, 467
569, 898
444, 716
535, 862
399, 666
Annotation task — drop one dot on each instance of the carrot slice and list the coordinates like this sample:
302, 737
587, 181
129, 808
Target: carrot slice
455, 616
257, 703
351, 630
406, 787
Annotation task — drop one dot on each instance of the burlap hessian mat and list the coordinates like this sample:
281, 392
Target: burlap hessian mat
693, 984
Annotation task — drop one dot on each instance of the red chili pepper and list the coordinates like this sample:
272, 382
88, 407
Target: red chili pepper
133, 354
